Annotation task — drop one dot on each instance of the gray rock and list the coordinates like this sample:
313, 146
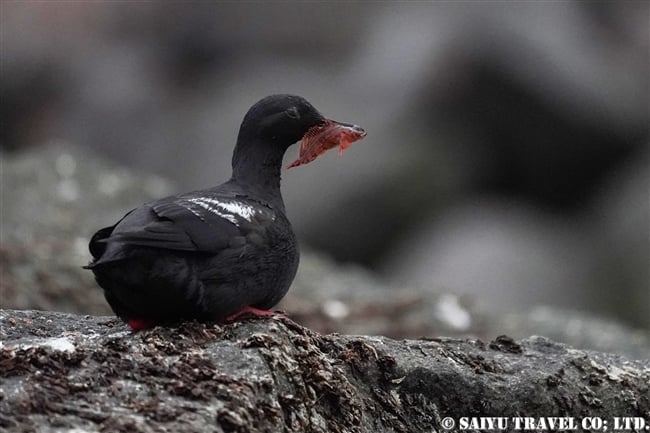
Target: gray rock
72, 373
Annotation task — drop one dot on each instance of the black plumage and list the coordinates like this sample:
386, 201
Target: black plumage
209, 254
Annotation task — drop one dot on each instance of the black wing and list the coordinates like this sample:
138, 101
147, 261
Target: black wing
201, 224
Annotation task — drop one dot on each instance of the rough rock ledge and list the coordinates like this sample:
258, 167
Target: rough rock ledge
67, 373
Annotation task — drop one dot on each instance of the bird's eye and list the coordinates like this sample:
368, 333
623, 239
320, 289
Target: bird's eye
293, 113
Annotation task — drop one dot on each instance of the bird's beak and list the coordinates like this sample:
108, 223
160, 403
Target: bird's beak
324, 136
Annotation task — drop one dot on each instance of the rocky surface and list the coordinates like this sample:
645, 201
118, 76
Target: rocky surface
91, 374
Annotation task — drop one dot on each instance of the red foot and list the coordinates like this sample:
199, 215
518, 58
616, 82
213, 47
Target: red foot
140, 324
251, 311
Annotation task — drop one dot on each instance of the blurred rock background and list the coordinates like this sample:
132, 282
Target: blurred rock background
506, 161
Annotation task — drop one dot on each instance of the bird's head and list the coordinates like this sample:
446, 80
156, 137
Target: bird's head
282, 120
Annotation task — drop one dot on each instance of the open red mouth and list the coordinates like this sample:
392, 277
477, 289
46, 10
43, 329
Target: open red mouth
327, 135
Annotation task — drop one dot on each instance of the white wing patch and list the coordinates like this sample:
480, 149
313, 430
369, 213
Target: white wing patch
244, 211
229, 210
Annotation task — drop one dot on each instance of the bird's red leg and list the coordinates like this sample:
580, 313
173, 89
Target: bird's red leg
140, 324
250, 311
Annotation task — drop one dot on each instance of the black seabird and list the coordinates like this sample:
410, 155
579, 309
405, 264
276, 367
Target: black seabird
216, 253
